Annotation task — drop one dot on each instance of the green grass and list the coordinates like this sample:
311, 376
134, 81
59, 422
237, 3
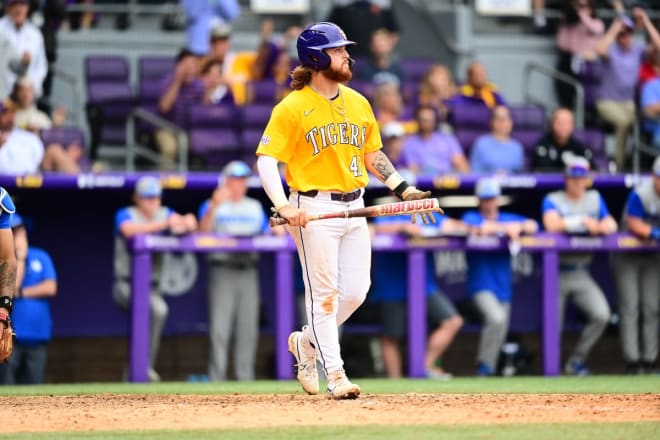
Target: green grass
593, 384
549, 431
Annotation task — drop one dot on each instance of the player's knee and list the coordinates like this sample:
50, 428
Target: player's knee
159, 308
601, 316
454, 323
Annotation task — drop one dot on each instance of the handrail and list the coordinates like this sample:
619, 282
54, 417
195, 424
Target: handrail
72, 80
118, 8
532, 66
133, 149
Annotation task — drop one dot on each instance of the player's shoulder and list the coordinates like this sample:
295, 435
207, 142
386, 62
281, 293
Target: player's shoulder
37, 253
6, 204
353, 94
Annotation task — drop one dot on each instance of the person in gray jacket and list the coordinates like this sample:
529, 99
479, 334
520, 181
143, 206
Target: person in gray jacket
638, 278
578, 210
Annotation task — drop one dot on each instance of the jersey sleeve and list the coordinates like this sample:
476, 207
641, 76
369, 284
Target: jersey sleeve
7, 208
548, 205
277, 136
122, 216
634, 207
602, 208
48, 272
373, 141
472, 218
203, 209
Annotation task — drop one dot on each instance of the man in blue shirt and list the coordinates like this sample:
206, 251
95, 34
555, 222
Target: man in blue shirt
146, 216
31, 315
489, 277
638, 278
390, 292
7, 274
578, 210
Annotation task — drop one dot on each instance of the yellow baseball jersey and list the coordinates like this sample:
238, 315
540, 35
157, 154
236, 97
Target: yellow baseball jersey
322, 141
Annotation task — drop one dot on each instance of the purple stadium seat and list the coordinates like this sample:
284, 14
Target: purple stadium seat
528, 127
589, 76
254, 117
63, 135
469, 122
152, 69
106, 68
366, 88
265, 91
410, 91
214, 133
594, 138
415, 68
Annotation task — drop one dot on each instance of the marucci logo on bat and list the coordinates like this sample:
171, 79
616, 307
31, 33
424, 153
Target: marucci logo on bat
413, 205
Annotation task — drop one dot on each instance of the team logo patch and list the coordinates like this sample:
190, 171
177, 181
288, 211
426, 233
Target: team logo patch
265, 140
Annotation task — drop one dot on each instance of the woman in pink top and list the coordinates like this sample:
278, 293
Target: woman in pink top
577, 35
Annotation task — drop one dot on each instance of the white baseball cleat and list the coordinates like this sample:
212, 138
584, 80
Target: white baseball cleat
340, 388
307, 374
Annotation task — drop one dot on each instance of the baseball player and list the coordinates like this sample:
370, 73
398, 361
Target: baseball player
577, 210
327, 136
146, 216
638, 278
233, 277
489, 278
7, 275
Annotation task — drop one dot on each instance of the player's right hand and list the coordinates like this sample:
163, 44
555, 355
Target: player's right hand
295, 216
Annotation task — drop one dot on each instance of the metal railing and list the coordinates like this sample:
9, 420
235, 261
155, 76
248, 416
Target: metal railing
72, 81
134, 149
532, 67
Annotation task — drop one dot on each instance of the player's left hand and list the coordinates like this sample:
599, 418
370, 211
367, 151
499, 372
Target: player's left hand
412, 193
6, 336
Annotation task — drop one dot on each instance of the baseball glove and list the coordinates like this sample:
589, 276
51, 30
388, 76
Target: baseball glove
6, 336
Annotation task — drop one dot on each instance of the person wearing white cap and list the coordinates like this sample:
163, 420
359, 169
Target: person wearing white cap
146, 216
233, 288
638, 278
578, 210
489, 277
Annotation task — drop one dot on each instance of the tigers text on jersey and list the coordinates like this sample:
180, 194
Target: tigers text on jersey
322, 141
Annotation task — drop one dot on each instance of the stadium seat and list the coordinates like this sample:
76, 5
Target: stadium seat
595, 140
110, 100
469, 122
265, 91
214, 133
66, 136
254, 120
528, 127
415, 68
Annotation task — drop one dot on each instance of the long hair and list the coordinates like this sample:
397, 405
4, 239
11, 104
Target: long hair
300, 77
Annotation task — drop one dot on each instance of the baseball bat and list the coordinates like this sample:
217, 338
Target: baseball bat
386, 209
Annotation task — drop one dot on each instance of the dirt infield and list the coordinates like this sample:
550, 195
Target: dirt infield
176, 412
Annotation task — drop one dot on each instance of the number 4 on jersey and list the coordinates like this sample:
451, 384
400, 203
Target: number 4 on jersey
355, 167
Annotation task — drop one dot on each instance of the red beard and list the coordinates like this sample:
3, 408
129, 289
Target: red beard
340, 75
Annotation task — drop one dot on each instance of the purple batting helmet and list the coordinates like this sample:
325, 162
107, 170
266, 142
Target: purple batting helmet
313, 41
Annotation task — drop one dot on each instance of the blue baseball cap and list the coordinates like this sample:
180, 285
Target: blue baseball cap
237, 168
577, 167
656, 167
488, 188
16, 221
148, 186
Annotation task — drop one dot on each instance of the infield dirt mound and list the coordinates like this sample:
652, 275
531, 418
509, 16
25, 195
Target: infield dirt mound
138, 412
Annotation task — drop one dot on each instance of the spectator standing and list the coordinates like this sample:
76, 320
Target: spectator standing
233, 277
27, 40
381, 66
389, 292
181, 89
36, 285
202, 16
48, 15
489, 277
621, 58
146, 216
360, 18
576, 210
638, 278
10, 61
558, 146
577, 36
430, 152
478, 90
497, 152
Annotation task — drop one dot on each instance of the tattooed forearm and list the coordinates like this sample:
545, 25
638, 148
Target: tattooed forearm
379, 165
7, 278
